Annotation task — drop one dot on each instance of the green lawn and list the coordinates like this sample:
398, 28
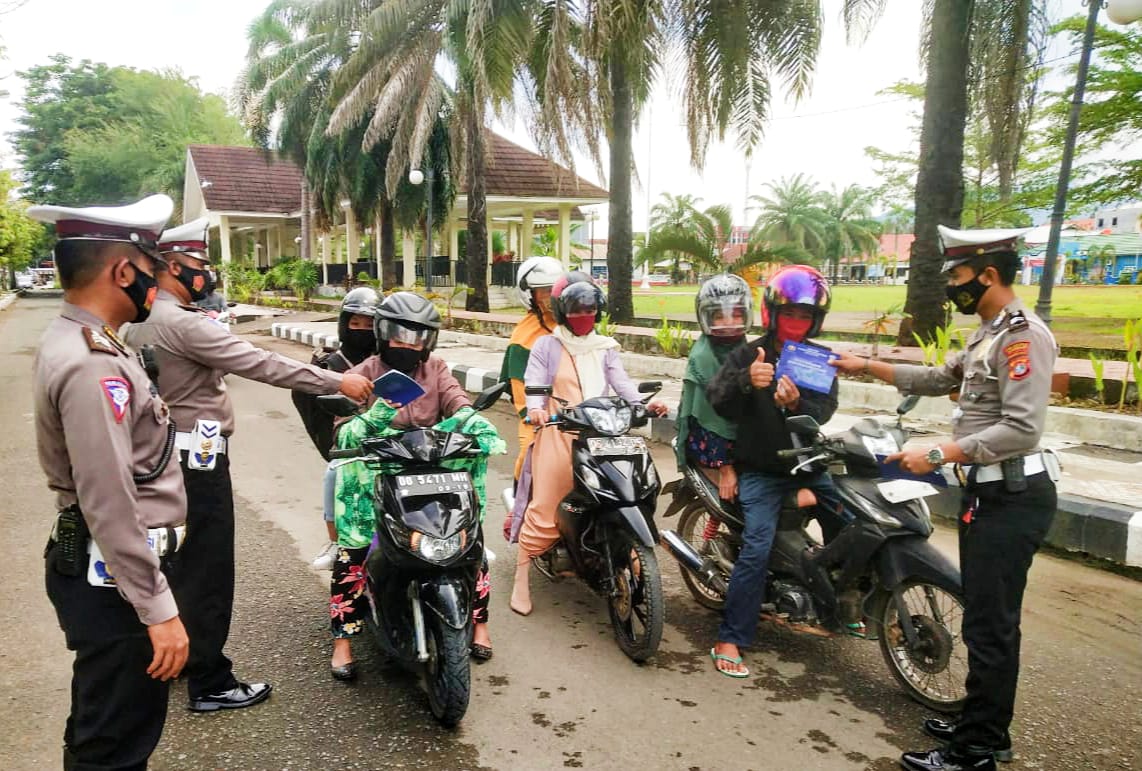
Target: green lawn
1085, 302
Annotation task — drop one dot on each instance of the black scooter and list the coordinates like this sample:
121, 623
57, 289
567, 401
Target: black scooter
606, 522
882, 570
422, 564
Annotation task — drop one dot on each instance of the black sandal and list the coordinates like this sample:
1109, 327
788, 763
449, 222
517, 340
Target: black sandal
481, 652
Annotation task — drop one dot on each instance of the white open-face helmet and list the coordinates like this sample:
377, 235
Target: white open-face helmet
536, 273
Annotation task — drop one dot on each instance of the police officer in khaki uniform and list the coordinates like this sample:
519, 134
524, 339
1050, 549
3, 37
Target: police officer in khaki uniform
1004, 382
104, 440
194, 353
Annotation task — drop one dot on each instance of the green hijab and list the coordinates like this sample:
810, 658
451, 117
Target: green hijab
704, 362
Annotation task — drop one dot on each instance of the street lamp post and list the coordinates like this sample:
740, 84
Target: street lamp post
1047, 283
416, 177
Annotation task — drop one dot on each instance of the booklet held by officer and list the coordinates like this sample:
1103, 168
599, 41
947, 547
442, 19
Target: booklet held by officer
807, 365
397, 388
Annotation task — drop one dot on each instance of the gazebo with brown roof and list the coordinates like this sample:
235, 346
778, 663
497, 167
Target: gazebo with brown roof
252, 193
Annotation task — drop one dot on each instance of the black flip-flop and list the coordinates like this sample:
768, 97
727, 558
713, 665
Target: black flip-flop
481, 652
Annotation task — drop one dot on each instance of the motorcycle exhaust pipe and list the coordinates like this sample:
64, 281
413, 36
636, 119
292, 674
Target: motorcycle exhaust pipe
702, 568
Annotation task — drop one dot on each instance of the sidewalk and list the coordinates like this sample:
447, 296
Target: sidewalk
1098, 496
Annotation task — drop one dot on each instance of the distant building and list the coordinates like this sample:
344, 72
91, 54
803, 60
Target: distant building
1121, 221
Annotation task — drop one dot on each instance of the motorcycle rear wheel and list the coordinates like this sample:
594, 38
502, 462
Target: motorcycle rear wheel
933, 673
691, 526
637, 609
447, 673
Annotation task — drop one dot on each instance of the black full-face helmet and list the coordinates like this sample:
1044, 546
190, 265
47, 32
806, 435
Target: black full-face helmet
409, 318
574, 296
724, 306
362, 301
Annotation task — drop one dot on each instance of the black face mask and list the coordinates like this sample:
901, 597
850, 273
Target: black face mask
142, 291
966, 296
358, 344
200, 283
402, 359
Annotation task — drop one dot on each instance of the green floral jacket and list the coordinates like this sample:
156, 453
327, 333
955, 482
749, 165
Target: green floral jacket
353, 505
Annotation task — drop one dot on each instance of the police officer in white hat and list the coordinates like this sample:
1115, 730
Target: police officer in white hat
194, 353
104, 439
1004, 382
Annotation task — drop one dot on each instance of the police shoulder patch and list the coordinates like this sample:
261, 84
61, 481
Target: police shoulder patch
1018, 367
97, 341
118, 393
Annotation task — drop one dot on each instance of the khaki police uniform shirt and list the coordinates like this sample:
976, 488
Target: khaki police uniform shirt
97, 425
194, 352
1004, 375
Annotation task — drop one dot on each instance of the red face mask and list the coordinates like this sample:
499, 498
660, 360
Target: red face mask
792, 330
581, 323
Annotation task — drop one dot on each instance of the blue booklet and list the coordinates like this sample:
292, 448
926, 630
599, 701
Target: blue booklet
807, 365
397, 387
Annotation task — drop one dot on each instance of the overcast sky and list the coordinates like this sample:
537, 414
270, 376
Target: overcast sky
823, 136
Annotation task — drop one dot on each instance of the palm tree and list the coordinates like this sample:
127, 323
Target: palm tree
727, 56
849, 229
792, 215
390, 79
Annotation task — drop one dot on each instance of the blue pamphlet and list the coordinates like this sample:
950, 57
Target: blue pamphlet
807, 365
397, 387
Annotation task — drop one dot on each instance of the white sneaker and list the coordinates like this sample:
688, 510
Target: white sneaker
326, 557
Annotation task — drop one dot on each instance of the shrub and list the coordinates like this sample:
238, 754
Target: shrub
303, 278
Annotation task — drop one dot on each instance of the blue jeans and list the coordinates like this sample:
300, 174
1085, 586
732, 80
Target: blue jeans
328, 488
760, 496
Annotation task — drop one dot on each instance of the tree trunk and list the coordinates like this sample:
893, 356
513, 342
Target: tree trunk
304, 249
477, 246
940, 181
620, 246
388, 237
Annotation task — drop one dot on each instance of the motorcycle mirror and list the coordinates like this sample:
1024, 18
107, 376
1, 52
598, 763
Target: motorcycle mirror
338, 406
803, 425
650, 387
490, 396
537, 390
907, 405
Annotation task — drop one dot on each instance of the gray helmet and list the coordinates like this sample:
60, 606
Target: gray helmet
716, 302
362, 301
408, 317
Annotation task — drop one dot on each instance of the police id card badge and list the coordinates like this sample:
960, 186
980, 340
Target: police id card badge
204, 443
97, 572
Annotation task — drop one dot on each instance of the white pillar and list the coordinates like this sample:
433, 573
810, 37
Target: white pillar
377, 243
408, 259
565, 235
527, 233
488, 272
352, 239
224, 238
453, 248
326, 248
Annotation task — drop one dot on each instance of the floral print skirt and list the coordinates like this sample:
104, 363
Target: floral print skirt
348, 603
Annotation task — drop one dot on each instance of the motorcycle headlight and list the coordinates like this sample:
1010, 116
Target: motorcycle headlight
590, 478
651, 474
877, 513
438, 550
611, 422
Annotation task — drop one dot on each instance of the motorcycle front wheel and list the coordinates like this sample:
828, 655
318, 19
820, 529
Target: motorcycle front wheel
691, 528
636, 605
447, 672
934, 669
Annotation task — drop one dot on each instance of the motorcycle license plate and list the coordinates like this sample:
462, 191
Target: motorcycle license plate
433, 484
617, 445
900, 490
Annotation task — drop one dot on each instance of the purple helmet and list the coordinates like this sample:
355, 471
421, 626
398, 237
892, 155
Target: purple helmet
797, 285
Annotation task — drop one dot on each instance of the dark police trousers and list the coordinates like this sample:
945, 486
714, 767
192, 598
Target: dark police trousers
202, 576
996, 548
117, 709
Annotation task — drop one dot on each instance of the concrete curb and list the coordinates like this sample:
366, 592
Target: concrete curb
8, 299
1098, 528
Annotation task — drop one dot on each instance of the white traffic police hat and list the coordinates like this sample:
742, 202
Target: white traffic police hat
139, 223
190, 237
959, 246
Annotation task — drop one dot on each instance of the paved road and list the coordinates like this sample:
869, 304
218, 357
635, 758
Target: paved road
558, 693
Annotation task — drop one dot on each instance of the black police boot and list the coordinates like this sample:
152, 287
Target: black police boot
943, 730
946, 759
242, 695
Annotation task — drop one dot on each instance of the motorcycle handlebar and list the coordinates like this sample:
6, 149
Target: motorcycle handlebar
793, 453
352, 452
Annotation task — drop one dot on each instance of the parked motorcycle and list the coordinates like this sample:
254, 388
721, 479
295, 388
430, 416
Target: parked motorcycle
887, 573
606, 522
422, 564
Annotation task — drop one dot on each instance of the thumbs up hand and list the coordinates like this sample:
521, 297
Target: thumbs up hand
760, 371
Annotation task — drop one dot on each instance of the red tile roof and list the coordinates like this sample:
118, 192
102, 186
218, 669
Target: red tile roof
898, 245
247, 179
515, 171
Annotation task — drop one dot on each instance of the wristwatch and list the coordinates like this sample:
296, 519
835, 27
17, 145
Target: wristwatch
935, 456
